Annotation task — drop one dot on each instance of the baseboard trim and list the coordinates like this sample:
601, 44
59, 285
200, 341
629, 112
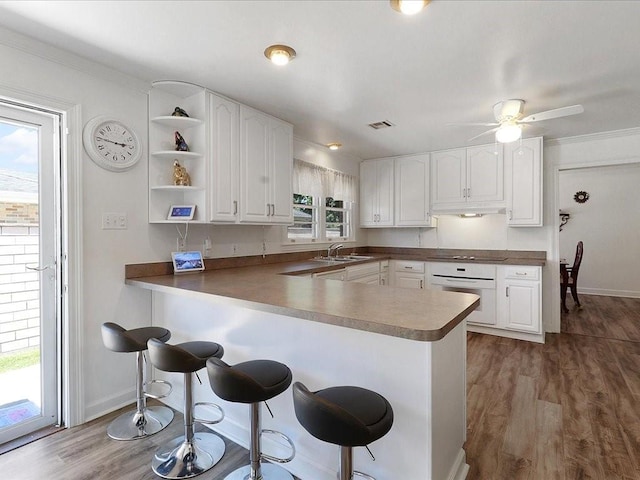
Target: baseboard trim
460, 468
608, 293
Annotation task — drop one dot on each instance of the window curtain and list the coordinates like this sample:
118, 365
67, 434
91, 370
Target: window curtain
310, 179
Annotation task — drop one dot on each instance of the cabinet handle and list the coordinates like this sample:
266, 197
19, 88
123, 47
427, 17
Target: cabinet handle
235, 207
268, 210
468, 193
510, 214
408, 268
421, 284
521, 274
507, 291
382, 281
273, 209
464, 193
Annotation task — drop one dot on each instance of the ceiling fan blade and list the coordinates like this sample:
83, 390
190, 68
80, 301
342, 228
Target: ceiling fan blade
472, 124
555, 113
484, 133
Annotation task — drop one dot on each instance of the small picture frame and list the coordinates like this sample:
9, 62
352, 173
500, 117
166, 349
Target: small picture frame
183, 213
187, 262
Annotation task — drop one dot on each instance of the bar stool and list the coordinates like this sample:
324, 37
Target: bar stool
194, 453
253, 382
345, 416
144, 420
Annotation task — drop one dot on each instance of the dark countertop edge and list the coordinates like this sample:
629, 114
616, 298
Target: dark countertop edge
358, 324
513, 257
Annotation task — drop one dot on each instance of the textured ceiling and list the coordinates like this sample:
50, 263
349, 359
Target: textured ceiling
360, 61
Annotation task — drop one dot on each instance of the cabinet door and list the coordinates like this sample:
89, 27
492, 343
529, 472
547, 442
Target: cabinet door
223, 136
281, 172
368, 193
407, 280
524, 182
385, 192
485, 174
412, 191
523, 306
448, 178
254, 166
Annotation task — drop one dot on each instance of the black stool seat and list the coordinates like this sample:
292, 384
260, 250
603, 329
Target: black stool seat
183, 357
117, 339
195, 452
144, 420
346, 416
253, 382
248, 382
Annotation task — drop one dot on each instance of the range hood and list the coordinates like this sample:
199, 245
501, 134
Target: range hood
471, 210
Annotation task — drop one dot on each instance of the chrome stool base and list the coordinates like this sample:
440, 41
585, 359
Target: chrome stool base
136, 424
181, 459
269, 472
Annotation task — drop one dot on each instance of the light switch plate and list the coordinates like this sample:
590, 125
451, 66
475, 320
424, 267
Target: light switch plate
114, 221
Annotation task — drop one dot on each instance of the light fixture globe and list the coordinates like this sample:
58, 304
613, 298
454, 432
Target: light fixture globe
409, 7
280, 54
334, 146
508, 132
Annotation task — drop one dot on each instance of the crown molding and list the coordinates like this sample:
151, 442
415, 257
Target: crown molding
592, 137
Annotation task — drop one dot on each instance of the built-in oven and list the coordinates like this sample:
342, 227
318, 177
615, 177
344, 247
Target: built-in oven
479, 279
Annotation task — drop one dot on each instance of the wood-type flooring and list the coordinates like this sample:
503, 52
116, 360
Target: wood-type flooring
566, 410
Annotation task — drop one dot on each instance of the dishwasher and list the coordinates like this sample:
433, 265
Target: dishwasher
479, 279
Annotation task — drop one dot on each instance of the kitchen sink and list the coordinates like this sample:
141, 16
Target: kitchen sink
341, 258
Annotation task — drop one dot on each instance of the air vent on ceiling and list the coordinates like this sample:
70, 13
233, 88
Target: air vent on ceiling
382, 124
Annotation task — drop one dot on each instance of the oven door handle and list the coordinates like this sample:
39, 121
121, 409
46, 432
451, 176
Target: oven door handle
460, 280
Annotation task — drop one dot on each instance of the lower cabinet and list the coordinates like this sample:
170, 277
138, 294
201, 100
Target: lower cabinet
408, 274
368, 273
332, 275
521, 299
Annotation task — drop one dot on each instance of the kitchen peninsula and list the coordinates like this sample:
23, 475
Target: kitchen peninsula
409, 346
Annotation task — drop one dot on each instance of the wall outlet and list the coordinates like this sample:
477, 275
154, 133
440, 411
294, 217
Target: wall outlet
114, 221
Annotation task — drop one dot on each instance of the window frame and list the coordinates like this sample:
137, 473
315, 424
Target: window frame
320, 234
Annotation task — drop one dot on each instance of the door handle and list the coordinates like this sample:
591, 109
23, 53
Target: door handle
41, 269
507, 292
235, 207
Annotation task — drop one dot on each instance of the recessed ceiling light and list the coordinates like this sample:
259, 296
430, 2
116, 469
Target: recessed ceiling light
334, 146
280, 54
409, 7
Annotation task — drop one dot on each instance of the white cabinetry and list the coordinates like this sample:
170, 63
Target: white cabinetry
384, 272
266, 163
523, 171
412, 191
365, 273
522, 300
408, 274
376, 193
465, 179
163, 98
224, 157
332, 275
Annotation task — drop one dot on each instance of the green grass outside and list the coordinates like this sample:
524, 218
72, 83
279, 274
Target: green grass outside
21, 359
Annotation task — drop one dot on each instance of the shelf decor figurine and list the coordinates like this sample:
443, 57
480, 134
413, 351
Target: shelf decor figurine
181, 145
180, 175
178, 112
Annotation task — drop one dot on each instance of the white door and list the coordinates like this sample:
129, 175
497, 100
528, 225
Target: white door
254, 166
281, 171
485, 173
30, 276
448, 178
412, 191
385, 192
368, 193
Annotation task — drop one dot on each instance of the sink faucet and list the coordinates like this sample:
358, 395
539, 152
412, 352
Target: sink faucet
334, 247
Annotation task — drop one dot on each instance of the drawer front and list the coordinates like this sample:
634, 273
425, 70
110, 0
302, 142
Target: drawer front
358, 271
408, 266
522, 273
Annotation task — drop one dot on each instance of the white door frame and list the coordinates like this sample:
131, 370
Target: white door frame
72, 405
555, 258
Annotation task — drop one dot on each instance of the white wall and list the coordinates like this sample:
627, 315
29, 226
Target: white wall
608, 224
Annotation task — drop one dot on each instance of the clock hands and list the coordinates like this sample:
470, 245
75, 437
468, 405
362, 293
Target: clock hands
111, 141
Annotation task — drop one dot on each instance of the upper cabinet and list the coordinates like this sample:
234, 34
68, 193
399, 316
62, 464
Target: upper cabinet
523, 171
240, 160
412, 191
266, 165
376, 193
467, 178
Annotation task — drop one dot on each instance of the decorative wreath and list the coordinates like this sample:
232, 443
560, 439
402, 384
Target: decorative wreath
581, 197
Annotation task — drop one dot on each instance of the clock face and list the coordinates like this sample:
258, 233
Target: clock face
111, 144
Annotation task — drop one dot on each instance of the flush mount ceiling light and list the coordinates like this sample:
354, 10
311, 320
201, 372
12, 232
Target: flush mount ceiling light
280, 54
508, 132
409, 7
334, 146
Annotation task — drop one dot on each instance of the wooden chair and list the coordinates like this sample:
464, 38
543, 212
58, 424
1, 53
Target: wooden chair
569, 278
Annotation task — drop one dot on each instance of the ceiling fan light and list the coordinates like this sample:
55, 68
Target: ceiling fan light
409, 7
280, 54
508, 133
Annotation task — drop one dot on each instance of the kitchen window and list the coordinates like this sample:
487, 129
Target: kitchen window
322, 205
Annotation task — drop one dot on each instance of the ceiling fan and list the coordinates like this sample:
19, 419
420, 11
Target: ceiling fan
509, 119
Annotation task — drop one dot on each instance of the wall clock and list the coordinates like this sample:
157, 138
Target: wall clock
111, 144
